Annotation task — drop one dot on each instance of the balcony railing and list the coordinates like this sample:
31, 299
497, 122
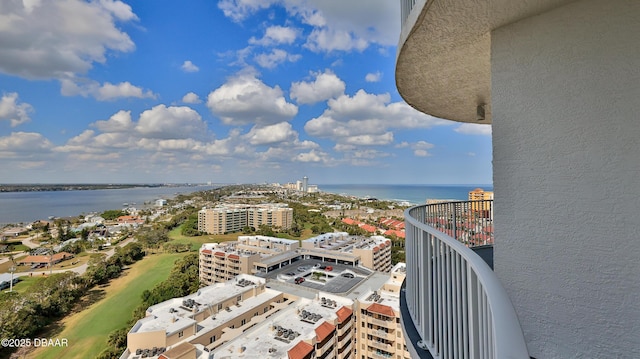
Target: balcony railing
470, 222
454, 300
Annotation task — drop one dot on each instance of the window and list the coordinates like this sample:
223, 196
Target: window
239, 298
243, 322
220, 306
212, 339
180, 334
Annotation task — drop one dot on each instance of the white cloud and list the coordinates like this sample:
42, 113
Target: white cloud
23, 143
191, 98
420, 148
275, 58
163, 122
336, 25
328, 40
474, 129
110, 91
245, 99
159, 129
312, 156
238, 10
280, 132
366, 119
13, 111
188, 66
371, 140
341, 147
373, 77
119, 122
276, 35
53, 39
104, 92
326, 85
377, 22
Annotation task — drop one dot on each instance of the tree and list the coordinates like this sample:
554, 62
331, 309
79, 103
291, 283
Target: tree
190, 226
112, 214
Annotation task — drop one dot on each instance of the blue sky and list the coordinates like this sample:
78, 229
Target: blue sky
230, 91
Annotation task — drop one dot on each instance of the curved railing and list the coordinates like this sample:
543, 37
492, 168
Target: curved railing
456, 302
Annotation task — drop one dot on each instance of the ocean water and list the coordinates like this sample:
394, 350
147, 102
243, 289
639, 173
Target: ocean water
414, 194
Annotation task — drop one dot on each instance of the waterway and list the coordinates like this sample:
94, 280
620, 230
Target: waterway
25, 207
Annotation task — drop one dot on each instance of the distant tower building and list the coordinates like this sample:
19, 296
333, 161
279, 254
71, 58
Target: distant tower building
305, 184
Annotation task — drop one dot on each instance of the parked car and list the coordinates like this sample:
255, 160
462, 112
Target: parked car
322, 267
347, 275
329, 268
299, 280
290, 274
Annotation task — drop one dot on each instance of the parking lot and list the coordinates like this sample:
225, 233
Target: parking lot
304, 269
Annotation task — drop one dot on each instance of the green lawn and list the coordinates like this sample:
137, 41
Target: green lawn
22, 285
196, 242
87, 331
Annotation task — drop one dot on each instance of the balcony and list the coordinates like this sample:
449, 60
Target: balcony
452, 303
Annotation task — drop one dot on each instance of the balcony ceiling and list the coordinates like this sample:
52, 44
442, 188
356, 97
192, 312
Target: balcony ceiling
443, 62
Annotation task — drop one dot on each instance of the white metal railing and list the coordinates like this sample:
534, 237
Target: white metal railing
456, 302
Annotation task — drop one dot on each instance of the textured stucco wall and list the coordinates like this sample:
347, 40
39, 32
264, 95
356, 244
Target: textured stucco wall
566, 137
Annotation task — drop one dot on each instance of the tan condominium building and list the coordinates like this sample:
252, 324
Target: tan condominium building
245, 318
378, 319
371, 252
220, 262
486, 198
234, 217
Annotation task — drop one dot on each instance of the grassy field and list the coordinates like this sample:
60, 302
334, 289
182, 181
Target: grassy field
87, 331
196, 242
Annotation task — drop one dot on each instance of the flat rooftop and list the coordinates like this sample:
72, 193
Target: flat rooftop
298, 322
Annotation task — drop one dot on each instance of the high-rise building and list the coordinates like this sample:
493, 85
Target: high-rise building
233, 218
479, 194
558, 82
305, 184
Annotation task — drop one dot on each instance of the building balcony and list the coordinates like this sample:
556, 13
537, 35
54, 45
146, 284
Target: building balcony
321, 350
382, 346
443, 61
452, 303
381, 334
345, 351
345, 328
381, 354
379, 322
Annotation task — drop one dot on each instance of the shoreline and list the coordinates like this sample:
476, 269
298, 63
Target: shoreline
55, 187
